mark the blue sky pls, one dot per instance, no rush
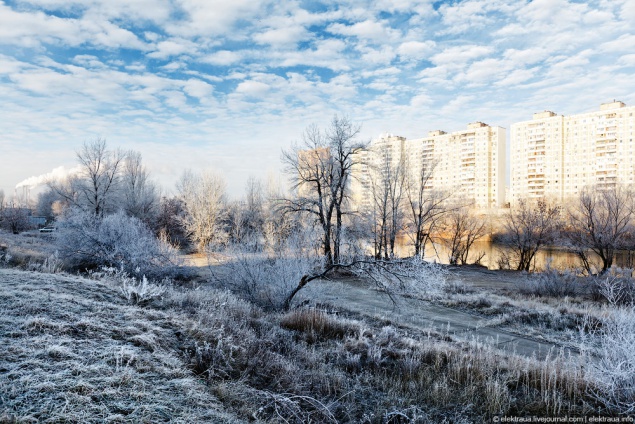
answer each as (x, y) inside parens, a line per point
(226, 85)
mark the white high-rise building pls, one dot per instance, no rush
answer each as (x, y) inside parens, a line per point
(469, 163)
(555, 156)
(536, 157)
(384, 155)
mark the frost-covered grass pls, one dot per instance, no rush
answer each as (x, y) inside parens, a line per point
(73, 350)
(31, 247)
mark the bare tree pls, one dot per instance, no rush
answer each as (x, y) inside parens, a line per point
(14, 216)
(139, 195)
(100, 172)
(204, 202)
(601, 221)
(95, 188)
(169, 223)
(254, 216)
(45, 203)
(277, 227)
(460, 229)
(388, 183)
(529, 227)
(425, 204)
(320, 169)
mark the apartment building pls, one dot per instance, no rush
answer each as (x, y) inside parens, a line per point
(556, 156)
(470, 163)
(536, 157)
(384, 156)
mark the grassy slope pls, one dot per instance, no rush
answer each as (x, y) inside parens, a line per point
(72, 350)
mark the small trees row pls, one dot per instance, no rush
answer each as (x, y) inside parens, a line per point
(598, 222)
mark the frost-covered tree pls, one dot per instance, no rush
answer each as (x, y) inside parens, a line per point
(425, 204)
(140, 196)
(529, 227)
(601, 220)
(205, 206)
(14, 216)
(95, 187)
(169, 221)
(320, 169)
(460, 229)
(388, 186)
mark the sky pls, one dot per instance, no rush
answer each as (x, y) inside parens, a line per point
(226, 85)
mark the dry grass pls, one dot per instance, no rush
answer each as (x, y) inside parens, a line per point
(22, 250)
(330, 369)
(318, 325)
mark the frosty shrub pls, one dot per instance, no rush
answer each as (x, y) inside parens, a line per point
(140, 292)
(614, 371)
(550, 282)
(87, 242)
(413, 276)
(617, 287)
(424, 278)
(266, 278)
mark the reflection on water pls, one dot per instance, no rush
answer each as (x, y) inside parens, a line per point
(492, 253)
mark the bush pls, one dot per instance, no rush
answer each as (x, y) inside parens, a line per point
(412, 277)
(140, 292)
(614, 372)
(88, 242)
(265, 278)
(618, 287)
(551, 282)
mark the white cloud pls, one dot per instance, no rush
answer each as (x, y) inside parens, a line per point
(527, 56)
(517, 77)
(462, 16)
(212, 17)
(366, 30)
(156, 11)
(624, 43)
(627, 60)
(628, 11)
(222, 57)
(146, 74)
(421, 100)
(30, 29)
(282, 36)
(172, 47)
(415, 49)
(327, 53)
(197, 88)
(460, 55)
(252, 88)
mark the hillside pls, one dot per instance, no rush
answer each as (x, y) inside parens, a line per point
(73, 350)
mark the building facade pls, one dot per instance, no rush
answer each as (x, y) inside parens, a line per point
(469, 163)
(555, 157)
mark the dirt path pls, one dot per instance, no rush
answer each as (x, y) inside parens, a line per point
(423, 316)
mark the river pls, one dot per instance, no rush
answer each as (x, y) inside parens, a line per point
(558, 258)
